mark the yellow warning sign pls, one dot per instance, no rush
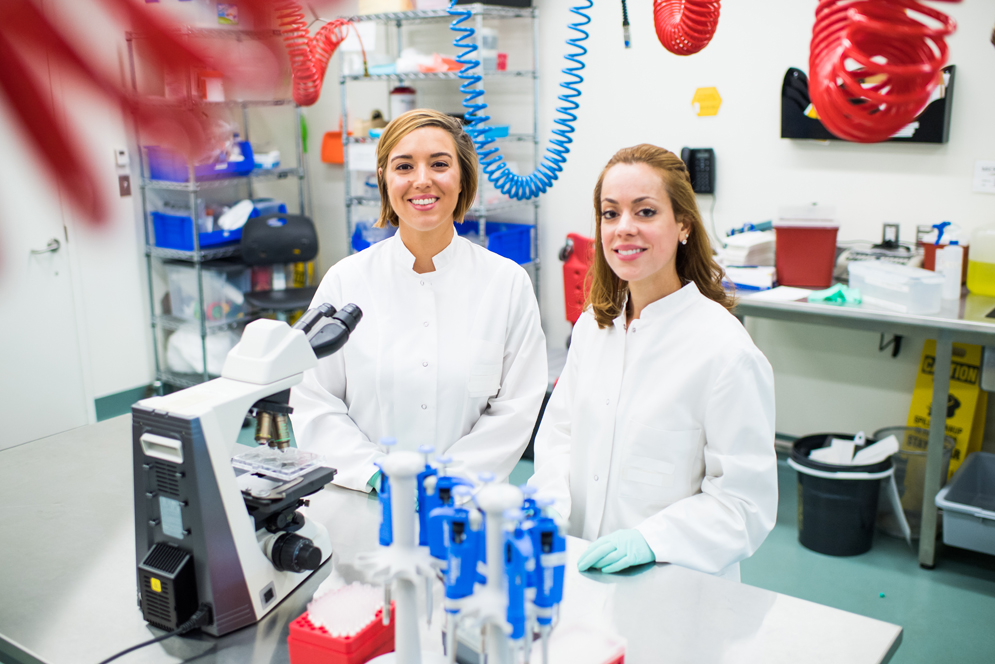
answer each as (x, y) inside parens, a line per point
(706, 101)
(966, 403)
(156, 585)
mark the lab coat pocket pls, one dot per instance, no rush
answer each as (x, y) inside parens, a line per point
(658, 465)
(484, 379)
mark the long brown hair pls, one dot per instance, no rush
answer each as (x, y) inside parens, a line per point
(466, 157)
(694, 259)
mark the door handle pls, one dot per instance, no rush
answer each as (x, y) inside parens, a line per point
(50, 248)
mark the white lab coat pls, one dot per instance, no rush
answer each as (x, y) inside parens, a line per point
(668, 428)
(453, 358)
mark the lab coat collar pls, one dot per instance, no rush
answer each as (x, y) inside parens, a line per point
(441, 260)
(665, 307)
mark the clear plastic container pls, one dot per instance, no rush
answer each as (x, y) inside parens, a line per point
(224, 288)
(981, 261)
(897, 287)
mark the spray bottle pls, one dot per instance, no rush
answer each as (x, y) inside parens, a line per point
(949, 259)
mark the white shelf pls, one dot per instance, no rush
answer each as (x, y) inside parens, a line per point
(226, 251)
(510, 138)
(439, 75)
(259, 175)
(476, 9)
(175, 322)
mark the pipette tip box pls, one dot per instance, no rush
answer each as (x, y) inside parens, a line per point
(310, 644)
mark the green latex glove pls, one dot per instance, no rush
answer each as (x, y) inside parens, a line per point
(615, 552)
(374, 482)
(839, 295)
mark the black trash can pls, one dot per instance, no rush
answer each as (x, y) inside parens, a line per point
(837, 505)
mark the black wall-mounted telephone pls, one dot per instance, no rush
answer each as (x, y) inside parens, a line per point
(701, 167)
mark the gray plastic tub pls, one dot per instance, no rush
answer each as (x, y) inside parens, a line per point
(968, 504)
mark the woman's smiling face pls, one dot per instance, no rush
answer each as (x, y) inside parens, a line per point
(423, 180)
(638, 230)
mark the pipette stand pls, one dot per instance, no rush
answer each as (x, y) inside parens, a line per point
(488, 606)
(403, 564)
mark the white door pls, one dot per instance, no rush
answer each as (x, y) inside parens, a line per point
(41, 377)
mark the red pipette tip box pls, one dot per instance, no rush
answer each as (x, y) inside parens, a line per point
(314, 645)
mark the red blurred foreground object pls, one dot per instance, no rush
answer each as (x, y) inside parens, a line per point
(30, 42)
(874, 63)
(684, 27)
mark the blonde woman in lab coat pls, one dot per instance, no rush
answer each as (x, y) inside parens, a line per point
(658, 442)
(449, 352)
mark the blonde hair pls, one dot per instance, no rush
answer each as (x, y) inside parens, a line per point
(694, 259)
(466, 157)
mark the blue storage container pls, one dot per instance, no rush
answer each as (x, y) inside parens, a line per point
(171, 167)
(174, 231)
(365, 234)
(512, 241)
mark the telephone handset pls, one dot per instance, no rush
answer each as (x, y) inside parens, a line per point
(700, 163)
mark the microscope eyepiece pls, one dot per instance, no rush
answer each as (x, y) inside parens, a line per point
(335, 333)
(349, 315)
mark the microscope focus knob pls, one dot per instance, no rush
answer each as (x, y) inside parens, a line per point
(293, 553)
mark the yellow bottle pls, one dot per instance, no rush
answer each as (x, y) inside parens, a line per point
(981, 261)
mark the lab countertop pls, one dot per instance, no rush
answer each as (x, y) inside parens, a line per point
(67, 580)
(967, 318)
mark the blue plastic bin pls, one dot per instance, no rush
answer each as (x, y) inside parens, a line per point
(366, 235)
(512, 241)
(168, 166)
(176, 231)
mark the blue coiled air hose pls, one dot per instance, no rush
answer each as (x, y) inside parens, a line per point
(521, 187)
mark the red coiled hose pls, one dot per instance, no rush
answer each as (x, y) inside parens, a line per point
(309, 55)
(684, 27)
(873, 66)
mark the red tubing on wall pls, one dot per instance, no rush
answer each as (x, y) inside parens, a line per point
(873, 66)
(309, 55)
(684, 27)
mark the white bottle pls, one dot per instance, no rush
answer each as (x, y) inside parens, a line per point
(949, 263)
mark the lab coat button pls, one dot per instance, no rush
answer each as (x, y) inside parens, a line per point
(595, 478)
(424, 364)
(608, 402)
(424, 406)
(425, 323)
(422, 283)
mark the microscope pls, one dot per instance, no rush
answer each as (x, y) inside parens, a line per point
(204, 535)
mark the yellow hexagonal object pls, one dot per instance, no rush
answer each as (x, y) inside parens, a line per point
(706, 101)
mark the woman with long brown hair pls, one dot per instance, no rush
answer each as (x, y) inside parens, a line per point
(450, 352)
(658, 441)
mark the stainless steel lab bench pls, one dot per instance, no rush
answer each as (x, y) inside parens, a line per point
(964, 321)
(68, 595)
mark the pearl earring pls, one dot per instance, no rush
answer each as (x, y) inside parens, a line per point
(684, 241)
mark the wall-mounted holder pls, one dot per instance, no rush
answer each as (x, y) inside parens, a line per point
(930, 126)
